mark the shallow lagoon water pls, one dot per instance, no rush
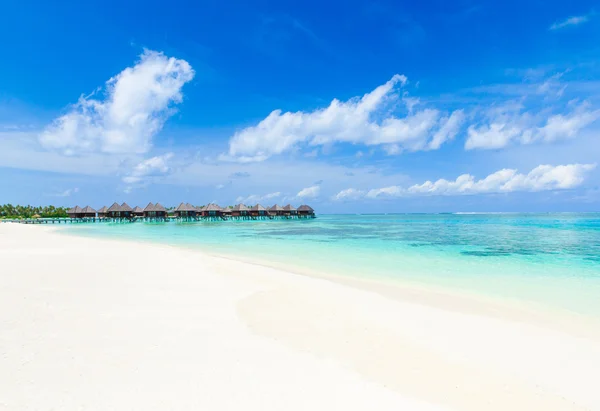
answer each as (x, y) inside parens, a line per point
(548, 259)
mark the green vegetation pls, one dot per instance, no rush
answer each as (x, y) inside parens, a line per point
(9, 211)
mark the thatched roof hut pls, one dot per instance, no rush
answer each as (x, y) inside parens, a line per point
(75, 212)
(150, 211)
(258, 210)
(211, 210)
(159, 211)
(88, 212)
(114, 210)
(305, 210)
(239, 210)
(226, 210)
(276, 210)
(119, 211)
(102, 212)
(289, 210)
(159, 207)
(138, 211)
(185, 210)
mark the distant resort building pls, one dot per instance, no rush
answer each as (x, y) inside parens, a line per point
(276, 210)
(160, 211)
(114, 211)
(102, 212)
(258, 211)
(240, 210)
(211, 210)
(306, 211)
(126, 211)
(155, 211)
(289, 211)
(88, 212)
(74, 212)
(149, 211)
(184, 212)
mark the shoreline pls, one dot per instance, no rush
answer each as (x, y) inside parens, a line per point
(401, 289)
(81, 316)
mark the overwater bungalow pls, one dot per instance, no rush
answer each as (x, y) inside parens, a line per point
(239, 210)
(88, 212)
(185, 210)
(276, 210)
(289, 210)
(258, 211)
(160, 211)
(211, 210)
(102, 212)
(149, 211)
(114, 211)
(306, 211)
(74, 212)
(126, 211)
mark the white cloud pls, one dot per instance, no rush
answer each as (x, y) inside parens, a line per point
(348, 194)
(152, 167)
(309, 192)
(509, 123)
(256, 199)
(138, 102)
(449, 128)
(571, 21)
(541, 178)
(360, 120)
(67, 193)
(391, 191)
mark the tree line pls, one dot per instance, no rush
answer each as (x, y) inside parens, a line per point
(9, 211)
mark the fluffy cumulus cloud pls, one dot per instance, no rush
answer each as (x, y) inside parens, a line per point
(152, 167)
(257, 199)
(136, 104)
(511, 123)
(541, 178)
(309, 192)
(361, 120)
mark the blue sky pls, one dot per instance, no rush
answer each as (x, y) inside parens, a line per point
(353, 106)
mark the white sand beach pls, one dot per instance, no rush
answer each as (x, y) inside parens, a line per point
(91, 324)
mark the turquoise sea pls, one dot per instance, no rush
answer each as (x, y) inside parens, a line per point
(543, 259)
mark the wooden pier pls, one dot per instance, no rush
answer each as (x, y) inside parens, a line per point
(123, 214)
(125, 220)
